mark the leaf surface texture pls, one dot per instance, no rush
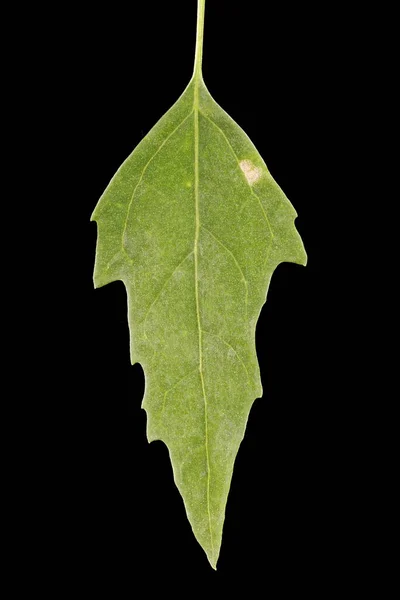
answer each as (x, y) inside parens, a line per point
(194, 225)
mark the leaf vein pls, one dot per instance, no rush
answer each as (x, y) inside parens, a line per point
(174, 386)
(231, 347)
(196, 283)
(164, 285)
(143, 172)
(251, 189)
(244, 280)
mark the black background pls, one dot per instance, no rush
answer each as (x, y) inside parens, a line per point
(293, 519)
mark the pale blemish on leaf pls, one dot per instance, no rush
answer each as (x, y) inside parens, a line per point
(251, 172)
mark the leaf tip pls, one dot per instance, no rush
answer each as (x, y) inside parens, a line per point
(213, 557)
(213, 562)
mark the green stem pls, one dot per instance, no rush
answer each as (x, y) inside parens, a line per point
(199, 39)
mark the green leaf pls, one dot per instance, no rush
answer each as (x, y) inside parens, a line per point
(194, 225)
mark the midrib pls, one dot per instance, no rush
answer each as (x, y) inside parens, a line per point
(196, 285)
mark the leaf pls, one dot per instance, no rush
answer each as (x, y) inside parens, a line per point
(194, 225)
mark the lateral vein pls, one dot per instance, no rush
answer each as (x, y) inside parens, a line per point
(237, 160)
(230, 253)
(218, 337)
(143, 172)
(164, 285)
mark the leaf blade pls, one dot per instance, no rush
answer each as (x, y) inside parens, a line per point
(194, 225)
